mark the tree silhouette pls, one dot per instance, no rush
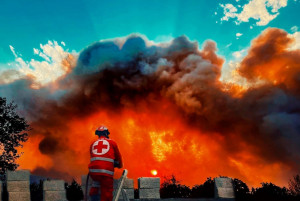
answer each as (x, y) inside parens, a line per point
(205, 190)
(269, 191)
(241, 190)
(74, 191)
(12, 133)
(294, 185)
(36, 191)
(171, 188)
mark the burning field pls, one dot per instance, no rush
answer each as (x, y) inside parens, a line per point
(167, 106)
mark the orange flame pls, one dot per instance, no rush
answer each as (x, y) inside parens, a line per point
(149, 139)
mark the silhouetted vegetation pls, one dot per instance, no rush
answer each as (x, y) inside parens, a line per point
(294, 186)
(4, 192)
(241, 190)
(12, 134)
(36, 191)
(74, 191)
(171, 188)
(205, 190)
(136, 193)
(269, 191)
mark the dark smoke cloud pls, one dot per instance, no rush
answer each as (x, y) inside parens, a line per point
(50, 145)
(114, 75)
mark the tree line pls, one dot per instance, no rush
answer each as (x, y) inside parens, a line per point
(171, 188)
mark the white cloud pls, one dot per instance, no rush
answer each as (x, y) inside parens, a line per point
(230, 72)
(240, 54)
(276, 4)
(229, 45)
(296, 44)
(13, 50)
(238, 34)
(255, 9)
(294, 29)
(237, 54)
(229, 11)
(55, 63)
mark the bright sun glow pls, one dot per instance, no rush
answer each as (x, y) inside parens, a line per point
(154, 172)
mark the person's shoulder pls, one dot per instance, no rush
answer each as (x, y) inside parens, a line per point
(111, 140)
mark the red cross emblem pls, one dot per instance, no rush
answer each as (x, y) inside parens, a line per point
(100, 147)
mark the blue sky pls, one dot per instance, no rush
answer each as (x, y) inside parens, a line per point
(27, 24)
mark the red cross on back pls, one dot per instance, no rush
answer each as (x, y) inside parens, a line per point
(101, 146)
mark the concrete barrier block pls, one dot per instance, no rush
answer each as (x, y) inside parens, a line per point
(224, 193)
(224, 188)
(19, 196)
(128, 183)
(18, 186)
(129, 192)
(223, 182)
(145, 193)
(54, 185)
(149, 182)
(55, 196)
(19, 175)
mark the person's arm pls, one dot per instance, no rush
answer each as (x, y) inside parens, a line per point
(118, 157)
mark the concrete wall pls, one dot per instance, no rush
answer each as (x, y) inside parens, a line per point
(18, 187)
(128, 186)
(224, 188)
(54, 190)
(149, 187)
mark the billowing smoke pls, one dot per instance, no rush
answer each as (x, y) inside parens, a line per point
(168, 110)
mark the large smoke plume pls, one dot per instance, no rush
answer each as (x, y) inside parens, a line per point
(168, 110)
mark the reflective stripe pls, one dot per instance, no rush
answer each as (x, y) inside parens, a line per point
(102, 159)
(101, 171)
